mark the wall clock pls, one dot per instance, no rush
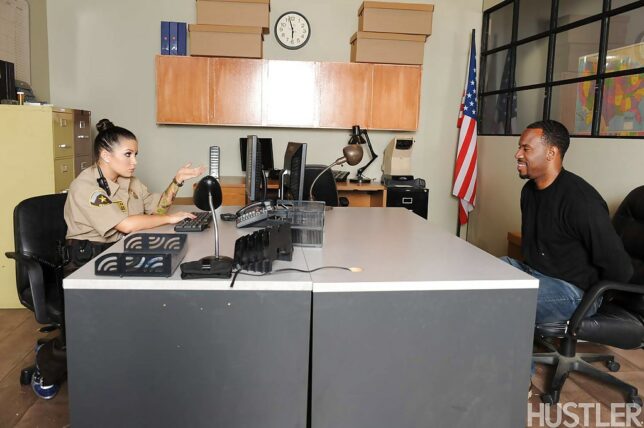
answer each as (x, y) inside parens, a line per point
(292, 30)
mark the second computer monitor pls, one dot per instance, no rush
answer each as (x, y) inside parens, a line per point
(292, 181)
(266, 145)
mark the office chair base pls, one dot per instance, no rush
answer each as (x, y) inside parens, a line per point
(26, 374)
(581, 363)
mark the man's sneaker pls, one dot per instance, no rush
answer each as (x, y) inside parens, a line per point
(46, 392)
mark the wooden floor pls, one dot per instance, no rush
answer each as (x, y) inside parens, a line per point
(19, 407)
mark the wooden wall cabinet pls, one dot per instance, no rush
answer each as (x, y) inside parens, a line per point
(247, 92)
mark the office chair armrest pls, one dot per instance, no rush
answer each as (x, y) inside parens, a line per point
(36, 283)
(591, 295)
(343, 201)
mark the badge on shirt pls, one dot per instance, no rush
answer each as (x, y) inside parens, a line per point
(121, 205)
(99, 199)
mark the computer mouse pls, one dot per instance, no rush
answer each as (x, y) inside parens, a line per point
(228, 216)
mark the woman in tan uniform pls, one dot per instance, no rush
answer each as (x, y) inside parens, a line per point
(106, 201)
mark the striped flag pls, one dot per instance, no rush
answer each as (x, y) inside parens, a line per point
(466, 156)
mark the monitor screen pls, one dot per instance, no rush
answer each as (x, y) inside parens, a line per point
(253, 169)
(293, 172)
(267, 153)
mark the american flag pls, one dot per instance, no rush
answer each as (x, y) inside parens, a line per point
(466, 155)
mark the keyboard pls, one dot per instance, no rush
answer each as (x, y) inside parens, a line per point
(197, 224)
(340, 175)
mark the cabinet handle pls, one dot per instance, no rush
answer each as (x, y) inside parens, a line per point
(407, 201)
(63, 168)
(63, 123)
(63, 146)
(82, 136)
(81, 124)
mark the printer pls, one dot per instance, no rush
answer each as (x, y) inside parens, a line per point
(396, 164)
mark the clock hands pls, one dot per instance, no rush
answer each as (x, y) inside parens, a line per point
(292, 31)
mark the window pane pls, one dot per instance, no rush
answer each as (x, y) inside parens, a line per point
(531, 62)
(497, 67)
(493, 115)
(614, 4)
(529, 109)
(572, 105)
(575, 50)
(574, 10)
(623, 106)
(500, 27)
(626, 41)
(534, 17)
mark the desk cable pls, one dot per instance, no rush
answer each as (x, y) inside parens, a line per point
(239, 271)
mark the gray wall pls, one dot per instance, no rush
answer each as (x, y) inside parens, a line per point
(102, 59)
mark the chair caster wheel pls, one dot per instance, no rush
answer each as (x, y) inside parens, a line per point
(636, 400)
(613, 366)
(550, 398)
(25, 375)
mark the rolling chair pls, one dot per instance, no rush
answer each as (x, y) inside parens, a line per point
(618, 322)
(39, 232)
(325, 188)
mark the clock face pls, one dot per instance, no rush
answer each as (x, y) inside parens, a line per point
(292, 30)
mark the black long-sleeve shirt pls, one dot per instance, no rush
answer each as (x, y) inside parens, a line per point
(567, 233)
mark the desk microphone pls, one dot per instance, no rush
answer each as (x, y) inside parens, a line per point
(352, 155)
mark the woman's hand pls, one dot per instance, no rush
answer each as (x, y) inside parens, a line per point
(175, 218)
(186, 172)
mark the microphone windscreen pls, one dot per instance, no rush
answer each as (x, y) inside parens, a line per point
(207, 188)
(353, 154)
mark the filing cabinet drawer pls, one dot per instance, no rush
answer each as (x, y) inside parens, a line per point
(63, 129)
(82, 135)
(80, 163)
(416, 200)
(63, 173)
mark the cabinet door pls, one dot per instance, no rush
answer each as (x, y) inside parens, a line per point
(236, 91)
(396, 97)
(291, 94)
(345, 94)
(182, 89)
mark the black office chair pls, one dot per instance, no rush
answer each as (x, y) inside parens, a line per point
(325, 188)
(618, 322)
(39, 233)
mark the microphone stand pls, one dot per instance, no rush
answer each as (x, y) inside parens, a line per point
(359, 177)
(217, 264)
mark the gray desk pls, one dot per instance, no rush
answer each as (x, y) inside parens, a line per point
(432, 332)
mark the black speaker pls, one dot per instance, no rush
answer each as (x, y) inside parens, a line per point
(7, 81)
(414, 199)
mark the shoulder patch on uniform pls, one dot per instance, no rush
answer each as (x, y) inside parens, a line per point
(99, 199)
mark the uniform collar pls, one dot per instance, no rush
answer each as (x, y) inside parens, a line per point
(114, 185)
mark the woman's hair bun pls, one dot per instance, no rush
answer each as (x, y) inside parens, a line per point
(103, 125)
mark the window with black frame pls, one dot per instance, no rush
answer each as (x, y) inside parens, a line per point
(580, 62)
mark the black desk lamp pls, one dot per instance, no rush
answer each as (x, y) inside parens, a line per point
(360, 136)
(208, 197)
(352, 154)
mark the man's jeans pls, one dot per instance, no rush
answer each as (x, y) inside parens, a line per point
(556, 299)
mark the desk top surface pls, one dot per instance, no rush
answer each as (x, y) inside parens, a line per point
(396, 250)
(240, 181)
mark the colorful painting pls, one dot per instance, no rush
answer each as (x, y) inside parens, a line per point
(623, 104)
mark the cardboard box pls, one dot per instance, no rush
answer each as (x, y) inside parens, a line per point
(387, 48)
(243, 13)
(403, 18)
(226, 40)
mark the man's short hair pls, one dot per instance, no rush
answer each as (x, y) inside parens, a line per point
(554, 133)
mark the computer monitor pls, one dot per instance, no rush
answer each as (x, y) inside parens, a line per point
(254, 175)
(292, 178)
(266, 145)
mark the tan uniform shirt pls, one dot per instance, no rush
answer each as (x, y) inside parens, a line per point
(91, 214)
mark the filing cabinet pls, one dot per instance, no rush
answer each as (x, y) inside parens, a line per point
(412, 198)
(43, 149)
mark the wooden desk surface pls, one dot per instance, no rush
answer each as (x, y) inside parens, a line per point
(239, 181)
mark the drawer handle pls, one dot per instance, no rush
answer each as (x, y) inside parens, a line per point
(83, 165)
(81, 124)
(63, 146)
(63, 123)
(407, 201)
(83, 136)
(63, 168)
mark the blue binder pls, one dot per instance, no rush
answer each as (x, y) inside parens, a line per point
(173, 38)
(165, 38)
(181, 38)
